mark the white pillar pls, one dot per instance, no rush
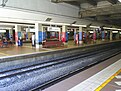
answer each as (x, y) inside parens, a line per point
(11, 34)
(118, 35)
(103, 35)
(38, 35)
(64, 37)
(94, 36)
(111, 35)
(17, 33)
(80, 35)
(75, 31)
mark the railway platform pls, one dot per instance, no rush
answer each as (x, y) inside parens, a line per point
(94, 67)
(28, 49)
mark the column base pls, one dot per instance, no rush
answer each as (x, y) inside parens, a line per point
(65, 44)
(103, 39)
(80, 42)
(38, 46)
(16, 43)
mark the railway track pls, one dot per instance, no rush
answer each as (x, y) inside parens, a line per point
(32, 67)
(39, 76)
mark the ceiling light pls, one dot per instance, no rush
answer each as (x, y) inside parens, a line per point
(119, 0)
(115, 31)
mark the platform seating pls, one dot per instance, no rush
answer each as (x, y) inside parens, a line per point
(52, 44)
(8, 44)
(1, 44)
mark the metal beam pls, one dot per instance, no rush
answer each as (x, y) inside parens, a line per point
(58, 1)
(4, 3)
(113, 1)
(92, 2)
(107, 10)
(109, 17)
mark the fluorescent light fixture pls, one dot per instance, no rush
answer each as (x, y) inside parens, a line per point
(78, 25)
(115, 31)
(119, 0)
(94, 26)
(91, 31)
(111, 28)
(2, 31)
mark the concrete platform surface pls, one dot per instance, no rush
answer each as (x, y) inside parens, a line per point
(27, 48)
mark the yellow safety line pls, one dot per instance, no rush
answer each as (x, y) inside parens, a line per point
(27, 46)
(4, 54)
(107, 81)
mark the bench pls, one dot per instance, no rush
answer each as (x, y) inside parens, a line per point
(5, 44)
(1, 44)
(52, 44)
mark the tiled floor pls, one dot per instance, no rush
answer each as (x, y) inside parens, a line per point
(114, 85)
(27, 48)
(18, 50)
(96, 82)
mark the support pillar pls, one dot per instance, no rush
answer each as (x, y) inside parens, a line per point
(59, 37)
(75, 35)
(64, 34)
(118, 35)
(85, 36)
(11, 34)
(103, 35)
(111, 35)
(26, 34)
(80, 35)
(38, 35)
(44, 34)
(17, 33)
(94, 36)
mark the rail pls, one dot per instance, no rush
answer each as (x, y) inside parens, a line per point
(38, 76)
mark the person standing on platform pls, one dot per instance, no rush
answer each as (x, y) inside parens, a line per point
(33, 40)
(20, 42)
(77, 39)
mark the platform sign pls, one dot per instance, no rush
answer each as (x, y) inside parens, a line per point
(32, 30)
(56, 29)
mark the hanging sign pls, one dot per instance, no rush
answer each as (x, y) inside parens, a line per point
(53, 29)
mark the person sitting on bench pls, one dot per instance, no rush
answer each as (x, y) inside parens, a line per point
(5, 42)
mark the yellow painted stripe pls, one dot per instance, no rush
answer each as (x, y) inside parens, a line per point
(107, 81)
(27, 46)
(4, 54)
